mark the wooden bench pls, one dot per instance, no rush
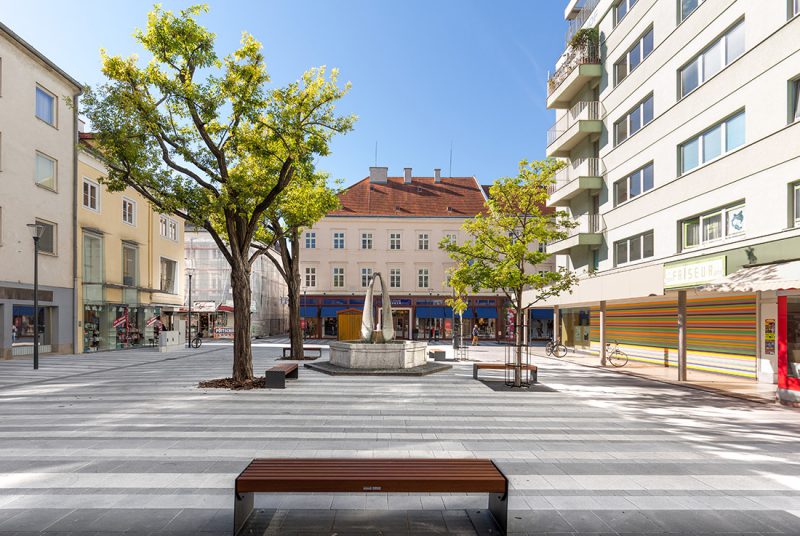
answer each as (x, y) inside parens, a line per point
(275, 377)
(288, 349)
(502, 366)
(371, 475)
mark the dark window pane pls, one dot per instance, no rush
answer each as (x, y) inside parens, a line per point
(636, 181)
(647, 245)
(47, 239)
(797, 97)
(622, 130)
(647, 178)
(634, 56)
(621, 188)
(647, 44)
(636, 120)
(689, 77)
(621, 70)
(621, 10)
(636, 248)
(622, 252)
(687, 6)
(647, 110)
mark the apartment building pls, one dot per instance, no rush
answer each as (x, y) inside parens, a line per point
(38, 135)
(393, 225)
(679, 123)
(130, 263)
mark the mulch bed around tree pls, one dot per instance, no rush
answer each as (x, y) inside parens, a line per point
(228, 383)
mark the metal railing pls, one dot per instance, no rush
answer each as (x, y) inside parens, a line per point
(588, 53)
(584, 110)
(582, 167)
(581, 18)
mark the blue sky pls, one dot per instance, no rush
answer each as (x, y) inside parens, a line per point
(425, 73)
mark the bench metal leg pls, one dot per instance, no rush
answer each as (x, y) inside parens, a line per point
(275, 379)
(498, 506)
(242, 508)
(474, 372)
(534, 376)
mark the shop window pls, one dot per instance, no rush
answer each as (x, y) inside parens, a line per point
(47, 241)
(713, 226)
(712, 59)
(46, 171)
(168, 271)
(91, 195)
(23, 322)
(721, 138)
(634, 248)
(634, 56)
(45, 106)
(633, 121)
(638, 182)
(311, 277)
(311, 240)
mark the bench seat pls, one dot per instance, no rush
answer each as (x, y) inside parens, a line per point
(502, 366)
(288, 350)
(275, 377)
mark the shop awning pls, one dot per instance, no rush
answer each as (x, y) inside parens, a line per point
(225, 308)
(762, 277)
(308, 311)
(486, 312)
(542, 314)
(433, 312)
(331, 310)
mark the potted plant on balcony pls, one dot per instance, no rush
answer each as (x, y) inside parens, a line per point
(585, 38)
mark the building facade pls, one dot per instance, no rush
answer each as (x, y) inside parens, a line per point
(212, 296)
(393, 225)
(680, 127)
(38, 135)
(131, 263)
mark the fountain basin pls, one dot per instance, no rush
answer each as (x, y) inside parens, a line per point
(393, 355)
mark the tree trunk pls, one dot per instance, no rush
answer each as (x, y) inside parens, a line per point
(242, 351)
(518, 329)
(295, 329)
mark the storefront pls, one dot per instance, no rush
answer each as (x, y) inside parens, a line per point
(209, 320)
(575, 327)
(23, 323)
(119, 326)
(540, 324)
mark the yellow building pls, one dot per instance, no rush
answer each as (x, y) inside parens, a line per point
(129, 263)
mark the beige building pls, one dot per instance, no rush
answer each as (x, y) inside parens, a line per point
(131, 263)
(38, 134)
(393, 225)
(681, 133)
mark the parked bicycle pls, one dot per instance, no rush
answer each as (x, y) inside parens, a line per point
(196, 341)
(615, 356)
(555, 348)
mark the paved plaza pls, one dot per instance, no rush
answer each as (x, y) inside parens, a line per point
(125, 442)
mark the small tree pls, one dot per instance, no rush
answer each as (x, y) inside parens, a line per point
(500, 253)
(301, 205)
(202, 137)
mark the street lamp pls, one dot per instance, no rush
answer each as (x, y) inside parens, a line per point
(36, 230)
(190, 273)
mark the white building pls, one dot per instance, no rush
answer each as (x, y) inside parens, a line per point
(393, 225)
(38, 140)
(682, 135)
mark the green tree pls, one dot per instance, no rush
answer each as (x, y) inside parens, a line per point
(307, 199)
(204, 138)
(501, 251)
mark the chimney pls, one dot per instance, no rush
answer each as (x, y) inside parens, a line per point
(437, 175)
(378, 174)
(407, 175)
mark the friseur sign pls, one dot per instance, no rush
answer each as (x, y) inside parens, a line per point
(695, 272)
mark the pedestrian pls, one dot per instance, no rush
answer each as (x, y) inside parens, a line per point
(13, 333)
(474, 335)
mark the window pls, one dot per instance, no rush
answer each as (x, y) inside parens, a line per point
(595, 260)
(794, 99)
(168, 270)
(366, 275)
(634, 120)
(422, 241)
(366, 240)
(687, 7)
(712, 60)
(717, 140)
(394, 240)
(129, 211)
(541, 247)
(311, 240)
(452, 238)
(45, 171)
(338, 240)
(47, 241)
(311, 277)
(168, 228)
(796, 207)
(162, 226)
(713, 226)
(394, 278)
(92, 258)
(634, 184)
(129, 254)
(422, 278)
(90, 195)
(45, 106)
(621, 9)
(634, 56)
(338, 277)
(794, 8)
(634, 248)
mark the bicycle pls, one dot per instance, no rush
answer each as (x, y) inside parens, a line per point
(615, 356)
(196, 342)
(555, 348)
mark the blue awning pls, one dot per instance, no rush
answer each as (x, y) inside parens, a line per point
(308, 311)
(542, 314)
(22, 310)
(331, 310)
(434, 312)
(486, 312)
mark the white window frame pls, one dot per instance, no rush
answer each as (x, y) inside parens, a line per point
(626, 58)
(700, 219)
(794, 99)
(132, 204)
(174, 289)
(395, 241)
(338, 277)
(423, 274)
(366, 275)
(394, 278)
(311, 276)
(339, 236)
(452, 237)
(172, 230)
(423, 239)
(92, 185)
(628, 241)
(53, 105)
(53, 188)
(627, 119)
(628, 5)
(701, 148)
(311, 240)
(700, 58)
(162, 225)
(54, 225)
(627, 180)
(794, 8)
(683, 16)
(366, 240)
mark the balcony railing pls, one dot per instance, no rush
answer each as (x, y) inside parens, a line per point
(581, 18)
(584, 110)
(575, 57)
(582, 167)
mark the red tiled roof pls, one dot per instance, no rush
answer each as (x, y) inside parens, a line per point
(453, 196)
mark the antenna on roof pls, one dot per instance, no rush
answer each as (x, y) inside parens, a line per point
(451, 158)
(376, 153)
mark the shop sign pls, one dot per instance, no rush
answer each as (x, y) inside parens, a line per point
(151, 321)
(204, 307)
(769, 336)
(121, 321)
(695, 272)
(223, 332)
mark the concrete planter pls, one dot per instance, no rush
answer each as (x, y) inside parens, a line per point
(391, 355)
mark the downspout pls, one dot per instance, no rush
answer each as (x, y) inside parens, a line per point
(75, 141)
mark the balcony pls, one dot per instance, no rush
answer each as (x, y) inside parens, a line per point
(577, 124)
(580, 175)
(589, 232)
(580, 18)
(580, 66)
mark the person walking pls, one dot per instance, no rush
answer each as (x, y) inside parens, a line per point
(474, 335)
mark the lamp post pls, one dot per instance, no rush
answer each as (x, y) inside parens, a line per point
(36, 232)
(190, 273)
